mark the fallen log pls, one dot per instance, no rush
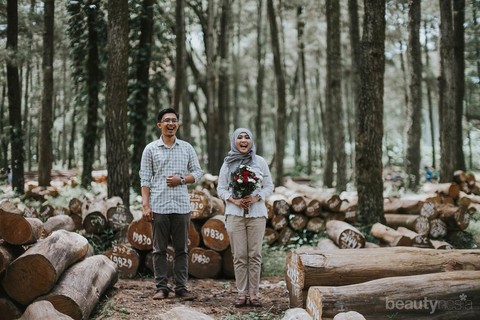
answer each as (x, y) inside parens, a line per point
(8, 253)
(75, 206)
(451, 190)
(285, 236)
(119, 217)
(200, 204)
(345, 235)
(140, 234)
(297, 314)
(43, 310)
(94, 218)
(327, 244)
(395, 220)
(126, 258)
(193, 235)
(402, 205)
(214, 234)
(389, 236)
(35, 272)
(454, 217)
(313, 209)
(228, 269)
(204, 263)
(279, 204)
(298, 221)
(315, 225)
(8, 309)
(16, 229)
(418, 240)
(441, 245)
(61, 222)
(270, 236)
(82, 285)
(306, 268)
(438, 229)
(279, 221)
(449, 295)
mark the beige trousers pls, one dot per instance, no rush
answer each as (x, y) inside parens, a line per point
(246, 238)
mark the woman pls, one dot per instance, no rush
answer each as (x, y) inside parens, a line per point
(245, 215)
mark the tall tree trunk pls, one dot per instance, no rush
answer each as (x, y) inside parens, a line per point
(354, 32)
(334, 105)
(14, 99)
(46, 116)
(117, 106)
(414, 106)
(212, 114)
(139, 109)
(297, 87)
(260, 77)
(224, 81)
(369, 137)
(447, 91)
(428, 85)
(3, 136)
(280, 133)
(93, 78)
(459, 54)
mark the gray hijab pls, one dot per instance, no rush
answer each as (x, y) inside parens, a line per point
(234, 157)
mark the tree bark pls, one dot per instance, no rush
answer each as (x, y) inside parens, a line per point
(36, 271)
(118, 180)
(378, 298)
(368, 154)
(81, 286)
(43, 310)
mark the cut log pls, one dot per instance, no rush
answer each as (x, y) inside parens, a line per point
(218, 206)
(298, 221)
(314, 209)
(389, 236)
(295, 200)
(200, 204)
(270, 236)
(8, 253)
(214, 234)
(193, 235)
(327, 244)
(95, 217)
(126, 258)
(46, 211)
(204, 263)
(450, 295)
(279, 204)
(140, 234)
(402, 205)
(297, 314)
(119, 217)
(75, 206)
(454, 217)
(418, 240)
(15, 229)
(43, 310)
(9, 310)
(228, 269)
(345, 235)
(285, 236)
(395, 220)
(328, 201)
(279, 221)
(315, 225)
(36, 271)
(81, 286)
(422, 226)
(61, 222)
(438, 229)
(306, 268)
(446, 189)
(429, 210)
(441, 245)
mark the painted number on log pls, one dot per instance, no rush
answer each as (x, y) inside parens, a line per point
(313, 309)
(141, 239)
(122, 262)
(121, 250)
(213, 233)
(349, 239)
(200, 258)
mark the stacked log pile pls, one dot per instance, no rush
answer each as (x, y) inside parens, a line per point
(56, 266)
(319, 269)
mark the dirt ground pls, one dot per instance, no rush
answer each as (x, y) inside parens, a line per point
(132, 299)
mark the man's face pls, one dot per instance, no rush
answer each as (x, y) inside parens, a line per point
(168, 125)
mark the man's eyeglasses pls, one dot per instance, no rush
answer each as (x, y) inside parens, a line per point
(169, 120)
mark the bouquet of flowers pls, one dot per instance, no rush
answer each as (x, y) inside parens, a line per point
(244, 181)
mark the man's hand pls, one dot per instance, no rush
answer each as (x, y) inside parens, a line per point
(173, 181)
(147, 213)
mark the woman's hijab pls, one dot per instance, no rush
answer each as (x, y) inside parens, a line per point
(234, 157)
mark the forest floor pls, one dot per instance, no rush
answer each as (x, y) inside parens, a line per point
(132, 299)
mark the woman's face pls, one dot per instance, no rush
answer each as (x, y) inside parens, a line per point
(243, 142)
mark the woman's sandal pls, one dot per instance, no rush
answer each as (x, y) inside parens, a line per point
(255, 302)
(240, 301)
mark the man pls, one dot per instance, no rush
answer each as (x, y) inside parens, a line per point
(168, 165)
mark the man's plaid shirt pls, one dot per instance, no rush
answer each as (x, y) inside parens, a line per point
(159, 162)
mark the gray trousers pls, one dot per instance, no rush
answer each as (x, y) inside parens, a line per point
(174, 226)
(246, 239)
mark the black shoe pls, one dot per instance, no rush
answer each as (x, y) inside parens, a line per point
(160, 295)
(185, 295)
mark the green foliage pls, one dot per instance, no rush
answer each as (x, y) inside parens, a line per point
(102, 242)
(273, 261)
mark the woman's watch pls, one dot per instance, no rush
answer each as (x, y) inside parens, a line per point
(259, 197)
